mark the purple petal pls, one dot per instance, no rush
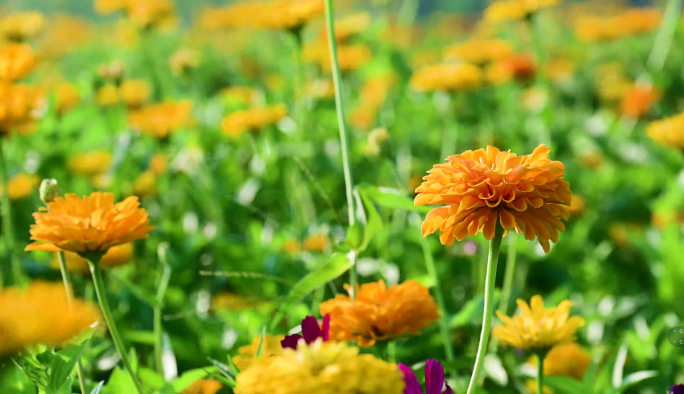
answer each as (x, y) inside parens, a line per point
(412, 385)
(325, 327)
(290, 341)
(434, 377)
(448, 390)
(310, 329)
(677, 389)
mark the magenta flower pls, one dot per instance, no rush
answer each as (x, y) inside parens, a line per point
(434, 379)
(310, 331)
(677, 389)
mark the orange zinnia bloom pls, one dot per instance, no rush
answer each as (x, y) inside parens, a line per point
(160, 120)
(91, 224)
(16, 61)
(379, 313)
(638, 101)
(480, 188)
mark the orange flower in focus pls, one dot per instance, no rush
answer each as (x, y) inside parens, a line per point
(378, 313)
(204, 386)
(255, 119)
(92, 224)
(481, 188)
(461, 76)
(16, 61)
(160, 120)
(638, 101)
(116, 256)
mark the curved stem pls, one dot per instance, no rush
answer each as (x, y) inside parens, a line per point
(509, 273)
(439, 297)
(98, 283)
(66, 278)
(8, 222)
(663, 41)
(540, 373)
(344, 134)
(494, 246)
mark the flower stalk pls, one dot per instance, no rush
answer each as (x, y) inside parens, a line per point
(509, 273)
(98, 282)
(492, 262)
(663, 41)
(8, 224)
(540, 372)
(161, 292)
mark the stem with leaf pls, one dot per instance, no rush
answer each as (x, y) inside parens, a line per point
(492, 262)
(98, 283)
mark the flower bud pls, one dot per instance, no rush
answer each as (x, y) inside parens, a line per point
(49, 190)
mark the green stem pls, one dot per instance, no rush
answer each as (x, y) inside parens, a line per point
(542, 82)
(408, 12)
(391, 351)
(540, 373)
(663, 41)
(439, 297)
(98, 282)
(492, 262)
(509, 273)
(8, 222)
(161, 291)
(344, 134)
(66, 278)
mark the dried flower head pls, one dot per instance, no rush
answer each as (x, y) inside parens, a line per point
(92, 224)
(41, 314)
(379, 313)
(323, 368)
(538, 327)
(484, 187)
(459, 76)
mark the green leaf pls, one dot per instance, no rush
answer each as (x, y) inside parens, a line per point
(332, 269)
(139, 292)
(13, 380)
(373, 220)
(261, 343)
(225, 376)
(390, 198)
(467, 315)
(120, 382)
(565, 384)
(150, 378)
(355, 236)
(635, 378)
(62, 366)
(97, 389)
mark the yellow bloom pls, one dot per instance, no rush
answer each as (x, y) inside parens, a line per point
(20, 106)
(254, 119)
(379, 313)
(91, 224)
(204, 386)
(68, 96)
(247, 354)
(21, 26)
(145, 184)
(183, 61)
(668, 132)
(240, 94)
(479, 51)
(316, 243)
(116, 256)
(538, 327)
(135, 92)
(460, 76)
(159, 164)
(107, 95)
(518, 66)
(592, 28)
(349, 26)
(288, 14)
(321, 88)
(41, 314)
(292, 246)
(508, 10)
(16, 62)
(567, 359)
(612, 82)
(483, 187)
(160, 120)
(21, 186)
(90, 164)
(323, 368)
(351, 57)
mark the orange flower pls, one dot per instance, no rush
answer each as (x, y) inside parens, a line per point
(668, 132)
(67, 97)
(107, 95)
(21, 26)
(135, 92)
(145, 184)
(20, 106)
(158, 163)
(21, 186)
(351, 57)
(483, 187)
(479, 51)
(577, 205)
(460, 76)
(316, 243)
(204, 386)
(160, 120)
(379, 313)
(16, 61)
(92, 163)
(254, 119)
(151, 13)
(247, 354)
(519, 66)
(183, 61)
(592, 28)
(91, 224)
(638, 101)
(116, 256)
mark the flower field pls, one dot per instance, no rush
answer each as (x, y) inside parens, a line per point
(341, 197)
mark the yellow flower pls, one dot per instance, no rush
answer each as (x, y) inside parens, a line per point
(90, 164)
(560, 70)
(254, 119)
(372, 97)
(612, 82)
(145, 184)
(183, 61)
(483, 187)
(107, 95)
(20, 106)
(538, 327)
(379, 313)
(288, 14)
(292, 246)
(350, 57)
(21, 26)
(479, 51)
(91, 224)
(67, 96)
(349, 26)
(151, 13)
(460, 76)
(16, 62)
(106, 7)
(159, 164)
(247, 354)
(135, 92)
(160, 120)
(638, 100)
(204, 386)
(668, 132)
(240, 94)
(316, 243)
(116, 256)
(577, 205)
(321, 88)
(508, 10)
(41, 314)
(66, 34)
(567, 359)
(592, 28)
(21, 186)
(322, 368)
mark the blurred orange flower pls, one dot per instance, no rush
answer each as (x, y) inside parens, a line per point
(183, 61)
(460, 76)
(160, 120)
(668, 132)
(135, 92)
(16, 61)
(91, 163)
(351, 57)
(67, 96)
(483, 187)
(316, 243)
(479, 51)
(254, 119)
(378, 313)
(21, 186)
(20, 107)
(638, 100)
(204, 386)
(21, 26)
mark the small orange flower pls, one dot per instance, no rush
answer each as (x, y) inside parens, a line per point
(145, 184)
(292, 246)
(638, 101)
(480, 188)
(378, 313)
(577, 205)
(135, 92)
(16, 61)
(107, 95)
(158, 163)
(255, 119)
(316, 243)
(350, 57)
(204, 386)
(160, 120)
(460, 76)
(20, 107)
(92, 224)
(21, 186)
(518, 66)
